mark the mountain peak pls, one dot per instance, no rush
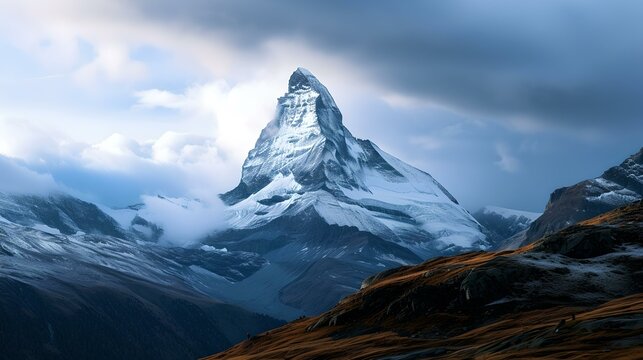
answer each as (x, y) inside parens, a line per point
(304, 85)
(303, 137)
(300, 80)
(306, 161)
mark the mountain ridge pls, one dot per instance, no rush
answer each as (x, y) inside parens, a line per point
(574, 293)
(505, 225)
(77, 285)
(617, 186)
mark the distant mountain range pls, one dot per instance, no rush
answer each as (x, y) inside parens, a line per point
(504, 225)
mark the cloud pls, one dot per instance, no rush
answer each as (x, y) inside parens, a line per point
(507, 162)
(23, 139)
(237, 112)
(154, 98)
(177, 164)
(531, 65)
(439, 138)
(18, 179)
(184, 222)
(112, 62)
(174, 163)
(184, 149)
(559, 64)
(118, 169)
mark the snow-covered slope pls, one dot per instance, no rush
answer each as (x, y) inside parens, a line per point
(39, 228)
(305, 159)
(57, 213)
(510, 213)
(506, 227)
(73, 281)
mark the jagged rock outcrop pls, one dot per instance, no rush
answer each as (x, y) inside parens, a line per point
(616, 187)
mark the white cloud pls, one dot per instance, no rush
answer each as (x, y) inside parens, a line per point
(26, 140)
(106, 45)
(120, 153)
(177, 164)
(507, 162)
(184, 222)
(160, 98)
(182, 148)
(237, 113)
(112, 62)
(16, 178)
(118, 144)
(189, 164)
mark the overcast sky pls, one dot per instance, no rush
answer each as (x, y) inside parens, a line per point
(501, 101)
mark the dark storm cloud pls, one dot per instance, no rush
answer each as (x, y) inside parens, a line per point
(572, 63)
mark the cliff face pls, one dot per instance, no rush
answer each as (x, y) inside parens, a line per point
(574, 292)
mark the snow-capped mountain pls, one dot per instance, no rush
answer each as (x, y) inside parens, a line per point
(74, 282)
(506, 213)
(327, 210)
(57, 213)
(504, 225)
(305, 160)
(619, 185)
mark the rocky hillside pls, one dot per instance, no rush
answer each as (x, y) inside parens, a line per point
(576, 292)
(616, 187)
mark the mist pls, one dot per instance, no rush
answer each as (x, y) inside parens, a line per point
(184, 222)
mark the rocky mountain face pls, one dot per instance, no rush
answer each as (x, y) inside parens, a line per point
(327, 209)
(57, 213)
(305, 160)
(575, 293)
(504, 225)
(75, 284)
(617, 186)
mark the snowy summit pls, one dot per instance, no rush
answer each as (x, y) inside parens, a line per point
(305, 161)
